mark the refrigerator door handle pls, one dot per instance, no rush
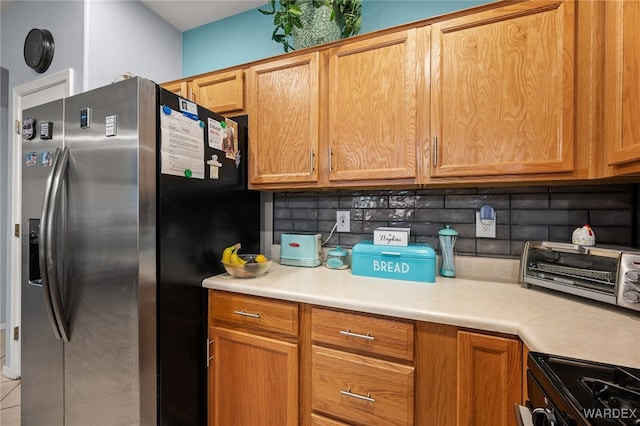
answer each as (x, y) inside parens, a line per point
(51, 243)
(42, 249)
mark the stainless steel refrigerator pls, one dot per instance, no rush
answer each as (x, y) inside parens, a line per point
(129, 195)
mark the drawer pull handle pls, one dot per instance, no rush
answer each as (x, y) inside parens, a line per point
(361, 336)
(247, 314)
(355, 395)
(209, 356)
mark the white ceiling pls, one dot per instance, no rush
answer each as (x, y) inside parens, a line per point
(188, 14)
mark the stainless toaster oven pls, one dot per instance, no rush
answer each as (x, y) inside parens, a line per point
(603, 273)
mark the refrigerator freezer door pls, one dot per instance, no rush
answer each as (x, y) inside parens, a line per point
(42, 354)
(110, 362)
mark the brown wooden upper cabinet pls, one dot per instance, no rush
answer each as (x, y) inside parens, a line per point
(339, 117)
(502, 92)
(511, 92)
(284, 121)
(180, 88)
(622, 87)
(221, 92)
(372, 109)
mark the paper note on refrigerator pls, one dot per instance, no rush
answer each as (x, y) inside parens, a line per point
(216, 133)
(181, 145)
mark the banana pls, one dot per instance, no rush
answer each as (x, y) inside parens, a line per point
(235, 259)
(226, 254)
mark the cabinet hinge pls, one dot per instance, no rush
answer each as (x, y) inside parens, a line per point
(16, 333)
(18, 127)
(16, 230)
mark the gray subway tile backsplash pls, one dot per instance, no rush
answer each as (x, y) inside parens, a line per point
(530, 201)
(549, 217)
(522, 214)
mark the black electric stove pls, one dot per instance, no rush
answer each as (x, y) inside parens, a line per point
(572, 392)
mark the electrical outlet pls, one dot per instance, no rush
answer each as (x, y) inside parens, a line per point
(485, 230)
(344, 221)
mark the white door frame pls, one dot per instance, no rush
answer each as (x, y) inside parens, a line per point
(48, 87)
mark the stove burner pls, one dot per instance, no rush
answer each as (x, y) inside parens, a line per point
(621, 401)
(585, 393)
(627, 379)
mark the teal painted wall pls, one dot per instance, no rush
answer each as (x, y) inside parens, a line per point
(246, 37)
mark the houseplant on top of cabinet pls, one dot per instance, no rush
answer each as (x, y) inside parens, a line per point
(305, 23)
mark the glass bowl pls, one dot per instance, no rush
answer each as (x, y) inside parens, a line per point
(251, 269)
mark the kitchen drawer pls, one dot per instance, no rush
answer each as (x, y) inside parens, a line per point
(318, 420)
(360, 389)
(253, 312)
(360, 332)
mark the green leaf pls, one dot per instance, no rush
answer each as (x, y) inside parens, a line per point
(295, 10)
(288, 15)
(272, 3)
(297, 22)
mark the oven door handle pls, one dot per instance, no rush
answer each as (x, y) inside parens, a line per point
(566, 247)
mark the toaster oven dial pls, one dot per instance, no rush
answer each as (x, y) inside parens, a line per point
(633, 276)
(631, 295)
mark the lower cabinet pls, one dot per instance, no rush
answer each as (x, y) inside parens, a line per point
(360, 389)
(362, 369)
(253, 361)
(466, 377)
(273, 362)
(489, 379)
(318, 420)
(253, 380)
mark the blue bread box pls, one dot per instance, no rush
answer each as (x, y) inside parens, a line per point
(415, 262)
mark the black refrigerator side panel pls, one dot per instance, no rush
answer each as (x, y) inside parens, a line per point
(197, 219)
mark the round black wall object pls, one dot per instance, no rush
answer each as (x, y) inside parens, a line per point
(38, 49)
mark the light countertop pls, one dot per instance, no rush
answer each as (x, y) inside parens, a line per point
(546, 321)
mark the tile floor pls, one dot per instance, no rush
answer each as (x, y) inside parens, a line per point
(9, 392)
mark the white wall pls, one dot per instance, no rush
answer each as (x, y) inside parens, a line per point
(65, 21)
(126, 36)
(99, 40)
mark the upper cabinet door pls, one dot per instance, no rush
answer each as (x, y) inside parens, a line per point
(372, 109)
(283, 120)
(502, 86)
(177, 87)
(220, 92)
(622, 86)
